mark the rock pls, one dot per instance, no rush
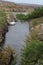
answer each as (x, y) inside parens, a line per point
(3, 32)
(37, 31)
(1, 36)
(40, 37)
(40, 33)
(5, 57)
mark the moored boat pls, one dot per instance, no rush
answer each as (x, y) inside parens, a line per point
(11, 23)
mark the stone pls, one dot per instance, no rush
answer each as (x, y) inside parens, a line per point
(5, 57)
(37, 31)
(40, 34)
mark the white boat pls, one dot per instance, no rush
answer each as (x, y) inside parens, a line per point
(12, 23)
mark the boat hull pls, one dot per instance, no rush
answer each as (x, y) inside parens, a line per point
(11, 23)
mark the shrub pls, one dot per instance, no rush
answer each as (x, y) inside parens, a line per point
(32, 53)
(21, 16)
(2, 19)
(38, 12)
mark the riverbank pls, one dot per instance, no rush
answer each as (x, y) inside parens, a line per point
(36, 28)
(6, 55)
(3, 26)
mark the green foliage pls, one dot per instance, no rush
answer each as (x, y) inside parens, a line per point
(2, 19)
(38, 12)
(21, 16)
(32, 53)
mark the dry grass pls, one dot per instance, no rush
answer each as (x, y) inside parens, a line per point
(36, 21)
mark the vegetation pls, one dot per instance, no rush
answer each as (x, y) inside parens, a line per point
(32, 53)
(38, 12)
(36, 27)
(13, 58)
(21, 17)
(7, 56)
(2, 19)
(37, 21)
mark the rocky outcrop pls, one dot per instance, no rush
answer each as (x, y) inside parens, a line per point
(5, 57)
(2, 33)
(40, 32)
(36, 31)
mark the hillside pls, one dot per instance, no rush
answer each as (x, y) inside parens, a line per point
(10, 6)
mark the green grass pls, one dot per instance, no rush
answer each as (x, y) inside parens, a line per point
(32, 53)
(3, 19)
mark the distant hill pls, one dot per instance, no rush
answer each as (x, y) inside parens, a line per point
(6, 5)
(30, 5)
(22, 4)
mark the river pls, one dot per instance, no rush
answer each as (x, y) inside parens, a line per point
(15, 37)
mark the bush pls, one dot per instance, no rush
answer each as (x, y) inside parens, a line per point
(38, 12)
(21, 16)
(2, 19)
(32, 53)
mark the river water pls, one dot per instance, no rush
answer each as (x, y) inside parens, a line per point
(16, 37)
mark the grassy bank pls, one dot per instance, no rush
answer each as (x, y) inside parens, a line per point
(32, 53)
(7, 55)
